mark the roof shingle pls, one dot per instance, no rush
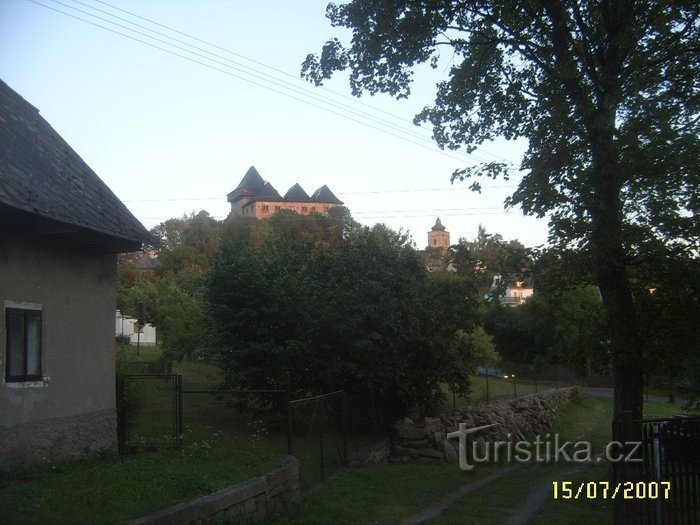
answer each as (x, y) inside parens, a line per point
(42, 175)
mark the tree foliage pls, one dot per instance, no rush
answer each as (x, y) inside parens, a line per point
(491, 260)
(607, 95)
(172, 290)
(337, 306)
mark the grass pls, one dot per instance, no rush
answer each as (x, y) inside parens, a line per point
(498, 388)
(241, 428)
(220, 451)
(388, 494)
(383, 494)
(114, 489)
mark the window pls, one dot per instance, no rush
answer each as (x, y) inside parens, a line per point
(265, 208)
(23, 348)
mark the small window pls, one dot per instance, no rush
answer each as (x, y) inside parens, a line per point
(265, 208)
(23, 328)
(278, 208)
(304, 209)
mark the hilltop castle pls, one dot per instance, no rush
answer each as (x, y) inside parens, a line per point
(253, 197)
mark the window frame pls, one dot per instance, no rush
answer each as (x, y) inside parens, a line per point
(26, 313)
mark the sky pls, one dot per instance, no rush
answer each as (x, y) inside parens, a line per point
(172, 129)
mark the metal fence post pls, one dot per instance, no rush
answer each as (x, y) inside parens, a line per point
(180, 424)
(373, 408)
(320, 435)
(345, 429)
(290, 449)
(487, 386)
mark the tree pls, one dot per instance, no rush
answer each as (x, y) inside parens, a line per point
(607, 95)
(567, 327)
(173, 290)
(337, 306)
(186, 246)
(490, 260)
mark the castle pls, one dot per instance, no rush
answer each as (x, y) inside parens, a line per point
(253, 197)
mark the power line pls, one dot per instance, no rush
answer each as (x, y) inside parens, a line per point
(324, 100)
(341, 193)
(365, 217)
(430, 148)
(285, 73)
(265, 77)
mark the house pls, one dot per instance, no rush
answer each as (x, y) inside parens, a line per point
(514, 293)
(60, 231)
(253, 197)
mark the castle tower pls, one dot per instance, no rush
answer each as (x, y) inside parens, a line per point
(438, 237)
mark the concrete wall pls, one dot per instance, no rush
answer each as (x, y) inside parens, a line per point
(72, 409)
(250, 501)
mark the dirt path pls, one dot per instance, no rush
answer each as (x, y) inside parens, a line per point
(541, 493)
(450, 499)
(520, 515)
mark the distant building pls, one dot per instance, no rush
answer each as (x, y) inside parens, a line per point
(126, 326)
(515, 294)
(439, 237)
(253, 197)
(435, 254)
(146, 260)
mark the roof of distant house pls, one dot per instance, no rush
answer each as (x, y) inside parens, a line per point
(42, 179)
(256, 189)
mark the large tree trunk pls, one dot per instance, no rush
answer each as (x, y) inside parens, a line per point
(613, 283)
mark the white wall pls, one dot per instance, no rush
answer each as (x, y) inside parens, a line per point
(127, 326)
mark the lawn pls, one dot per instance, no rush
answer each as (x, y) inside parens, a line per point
(498, 388)
(220, 450)
(261, 428)
(389, 494)
(114, 489)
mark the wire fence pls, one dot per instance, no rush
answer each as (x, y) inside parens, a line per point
(509, 380)
(158, 411)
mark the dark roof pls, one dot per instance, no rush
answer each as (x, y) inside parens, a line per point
(45, 180)
(324, 194)
(250, 184)
(297, 194)
(438, 226)
(267, 193)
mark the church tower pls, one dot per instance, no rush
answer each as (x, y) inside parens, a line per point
(438, 237)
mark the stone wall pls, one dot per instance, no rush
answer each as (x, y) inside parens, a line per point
(57, 439)
(250, 501)
(515, 419)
